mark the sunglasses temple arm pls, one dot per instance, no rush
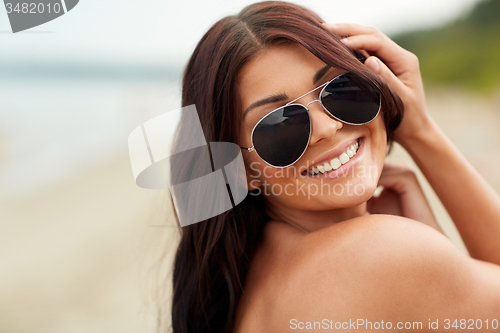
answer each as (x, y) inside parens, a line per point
(321, 86)
(251, 149)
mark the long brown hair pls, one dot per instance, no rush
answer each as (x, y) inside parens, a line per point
(214, 255)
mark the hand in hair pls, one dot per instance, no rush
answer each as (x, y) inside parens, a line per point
(399, 68)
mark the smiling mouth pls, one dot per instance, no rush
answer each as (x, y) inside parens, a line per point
(335, 163)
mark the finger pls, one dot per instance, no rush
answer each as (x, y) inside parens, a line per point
(389, 77)
(398, 168)
(397, 180)
(387, 203)
(349, 29)
(364, 53)
(392, 182)
(391, 53)
(375, 42)
(400, 181)
(377, 191)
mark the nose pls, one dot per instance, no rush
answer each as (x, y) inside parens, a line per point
(323, 125)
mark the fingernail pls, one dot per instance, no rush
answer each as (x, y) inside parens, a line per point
(376, 65)
(344, 40)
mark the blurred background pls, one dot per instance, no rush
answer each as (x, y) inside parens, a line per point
(82, 248)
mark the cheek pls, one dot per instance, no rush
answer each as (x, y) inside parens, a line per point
(377, 149)
(378, 136)
(274, 175)
(259, 174)
(245, 139)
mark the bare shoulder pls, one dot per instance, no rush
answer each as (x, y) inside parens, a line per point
(384, 267)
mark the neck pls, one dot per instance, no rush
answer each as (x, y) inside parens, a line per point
(312, 220)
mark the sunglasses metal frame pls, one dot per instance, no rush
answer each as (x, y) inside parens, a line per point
(306, 107)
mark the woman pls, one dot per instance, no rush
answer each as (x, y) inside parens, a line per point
(282, 259)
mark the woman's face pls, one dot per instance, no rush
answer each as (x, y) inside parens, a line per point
(289, 71)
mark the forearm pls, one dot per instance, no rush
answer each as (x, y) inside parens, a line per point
(470, 201)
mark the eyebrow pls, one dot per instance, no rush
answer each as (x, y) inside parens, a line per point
(283, 97)
(319, 74)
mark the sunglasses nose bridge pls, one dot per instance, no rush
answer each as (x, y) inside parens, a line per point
(315, 100)
(321, 105)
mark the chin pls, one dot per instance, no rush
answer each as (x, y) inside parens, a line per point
(356, 194)
(350, 193)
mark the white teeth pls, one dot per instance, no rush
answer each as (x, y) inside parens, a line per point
(343, 158)
(313, 171)
(336, 162)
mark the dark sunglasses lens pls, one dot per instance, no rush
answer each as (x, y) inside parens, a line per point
(351, 99)
(282, 136)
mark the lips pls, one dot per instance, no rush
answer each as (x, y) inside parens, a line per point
(334, 159)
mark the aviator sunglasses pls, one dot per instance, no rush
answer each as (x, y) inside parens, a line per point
(281, 137)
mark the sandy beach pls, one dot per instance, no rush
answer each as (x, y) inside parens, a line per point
(79, 256)
(87, 254)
